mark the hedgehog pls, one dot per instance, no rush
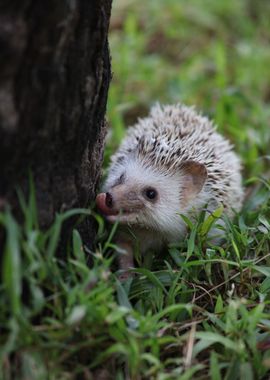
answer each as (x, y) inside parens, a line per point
(171, 163)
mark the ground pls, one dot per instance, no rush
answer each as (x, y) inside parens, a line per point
(197, 311)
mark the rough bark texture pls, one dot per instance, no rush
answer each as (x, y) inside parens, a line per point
(54, 78)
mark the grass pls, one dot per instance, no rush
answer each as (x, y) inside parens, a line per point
(197, 311)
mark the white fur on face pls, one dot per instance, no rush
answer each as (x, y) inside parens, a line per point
(161, 215)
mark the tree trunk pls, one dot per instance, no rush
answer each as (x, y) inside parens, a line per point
(54, 78)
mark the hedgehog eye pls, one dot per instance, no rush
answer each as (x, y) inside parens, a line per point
(150, 193)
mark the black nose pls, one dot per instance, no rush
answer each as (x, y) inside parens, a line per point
(109, 200)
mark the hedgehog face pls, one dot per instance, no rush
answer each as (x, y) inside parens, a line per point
(139, 195)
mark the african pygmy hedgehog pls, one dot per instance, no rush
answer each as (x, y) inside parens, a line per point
(171, 162)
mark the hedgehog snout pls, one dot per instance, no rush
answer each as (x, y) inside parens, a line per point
(104, 202)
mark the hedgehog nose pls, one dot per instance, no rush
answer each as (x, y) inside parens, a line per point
(109, 200)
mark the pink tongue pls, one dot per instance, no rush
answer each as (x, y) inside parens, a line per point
(101, 204)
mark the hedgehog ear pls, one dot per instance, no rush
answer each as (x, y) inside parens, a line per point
(194, 177)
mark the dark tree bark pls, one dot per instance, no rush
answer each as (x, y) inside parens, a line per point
(54, 78)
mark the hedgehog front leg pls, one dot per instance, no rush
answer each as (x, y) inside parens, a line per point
(125, 258)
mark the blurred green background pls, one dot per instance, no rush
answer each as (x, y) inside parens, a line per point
(209, 53)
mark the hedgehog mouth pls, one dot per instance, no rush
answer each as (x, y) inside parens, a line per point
(117, 213)
(123, 216)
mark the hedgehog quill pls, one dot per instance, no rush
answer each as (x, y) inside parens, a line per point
(170, 163)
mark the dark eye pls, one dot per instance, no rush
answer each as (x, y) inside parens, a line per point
(150, 193)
